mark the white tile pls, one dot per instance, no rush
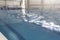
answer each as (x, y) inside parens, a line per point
(2, 37)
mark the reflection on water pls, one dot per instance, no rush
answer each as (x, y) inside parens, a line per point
(10, 15)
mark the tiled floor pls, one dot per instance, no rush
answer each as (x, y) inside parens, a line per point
(2, 37)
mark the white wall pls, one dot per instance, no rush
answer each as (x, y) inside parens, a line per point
(31, 4)
(10, 3)
(2, 3)
(52, 1)
(47, 3)
(13, 3)
(34, 3)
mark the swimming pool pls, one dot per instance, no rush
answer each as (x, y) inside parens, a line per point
(14, 28)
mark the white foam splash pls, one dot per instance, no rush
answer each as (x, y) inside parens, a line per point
(48, 25)
(51, 26)
(33, 18)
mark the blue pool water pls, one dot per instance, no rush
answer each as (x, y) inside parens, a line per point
(16, 29)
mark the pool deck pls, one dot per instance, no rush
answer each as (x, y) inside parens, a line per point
(2, 37)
